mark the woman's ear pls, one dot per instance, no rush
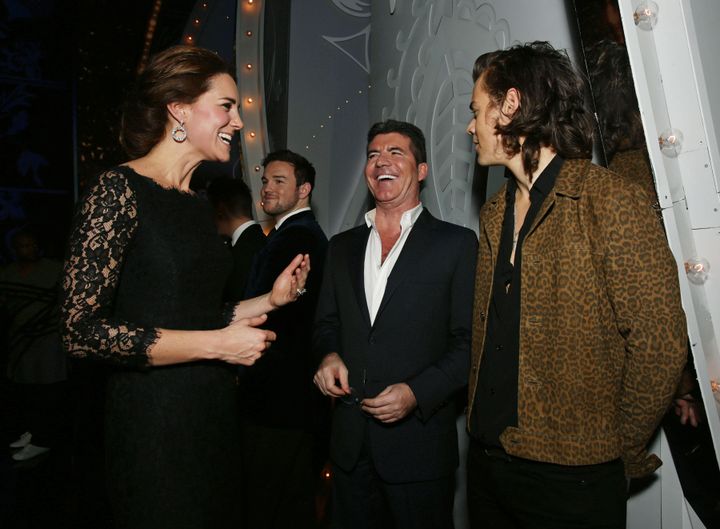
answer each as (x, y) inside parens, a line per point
(177, 111)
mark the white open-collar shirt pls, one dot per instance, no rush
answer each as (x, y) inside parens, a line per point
(377, 272)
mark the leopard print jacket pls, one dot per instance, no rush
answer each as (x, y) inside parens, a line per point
(602, 334)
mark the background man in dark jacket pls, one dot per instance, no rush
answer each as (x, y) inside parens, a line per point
(232, 202)
(285, 418)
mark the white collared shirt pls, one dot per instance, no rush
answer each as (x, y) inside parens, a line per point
(239, 231)
(376, 271)
(294, 212)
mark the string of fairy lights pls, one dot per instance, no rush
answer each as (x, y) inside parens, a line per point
(321, 126)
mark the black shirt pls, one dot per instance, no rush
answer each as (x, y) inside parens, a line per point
(496, 398)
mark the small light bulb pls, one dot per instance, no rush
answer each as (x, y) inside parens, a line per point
(671, 142)
(196, 21)
(697, 270)
(646, 14)
(257, 168)
(252, 134)
(248, 66)
(248, 33)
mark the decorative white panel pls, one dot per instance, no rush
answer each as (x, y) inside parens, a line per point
(421, 71)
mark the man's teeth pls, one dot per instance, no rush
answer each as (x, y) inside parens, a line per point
(225, 138)
(387, 177)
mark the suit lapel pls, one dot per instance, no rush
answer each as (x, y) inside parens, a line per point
(356, 263)
(415, 247)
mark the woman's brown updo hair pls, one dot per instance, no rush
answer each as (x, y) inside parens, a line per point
(178, 74)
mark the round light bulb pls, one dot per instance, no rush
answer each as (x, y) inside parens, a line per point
(697, 270)
(671, 142)
(646, 14)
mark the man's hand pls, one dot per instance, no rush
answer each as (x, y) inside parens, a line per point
(331, 377)
(392, 404)
(686, 407)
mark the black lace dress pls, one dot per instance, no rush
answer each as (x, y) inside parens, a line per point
(141, 258)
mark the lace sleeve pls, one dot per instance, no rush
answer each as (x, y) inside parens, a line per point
(103, 228)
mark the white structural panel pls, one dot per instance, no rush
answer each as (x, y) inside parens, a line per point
(249, 68)
(672, 94)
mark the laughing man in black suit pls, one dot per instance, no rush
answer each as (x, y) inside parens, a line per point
(393, 328)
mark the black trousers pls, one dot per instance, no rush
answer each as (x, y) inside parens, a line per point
(506, 492)
(362, 500)
(280, 480)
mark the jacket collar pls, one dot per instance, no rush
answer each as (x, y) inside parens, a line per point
(568, 183)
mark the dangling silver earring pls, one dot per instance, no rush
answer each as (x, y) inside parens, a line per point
(179, 134)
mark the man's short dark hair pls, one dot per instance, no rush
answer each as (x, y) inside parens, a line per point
(304, 170)
(233, 194)
(553, 111)
(410, 131)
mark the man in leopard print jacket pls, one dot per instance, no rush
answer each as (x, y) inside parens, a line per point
(579, 337)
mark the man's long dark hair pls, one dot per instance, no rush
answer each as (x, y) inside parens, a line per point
(552, 112)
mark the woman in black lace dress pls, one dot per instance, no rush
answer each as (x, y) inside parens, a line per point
(142, 290)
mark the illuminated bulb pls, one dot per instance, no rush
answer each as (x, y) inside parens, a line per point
(248, 33)
(307, 147)
(204, 5)
(252, 134)
(249, 100)
(329, 116)
(257, 168)
(189, 39)
(322, 126)
(697, 270)
(359, 91)
(196, 21)
(347, 100)
(645, 15)
(248, 66)
(671, 142)
(250, 2)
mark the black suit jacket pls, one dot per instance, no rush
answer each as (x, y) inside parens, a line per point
(278, 390)
(250, 242)
(421, 336)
